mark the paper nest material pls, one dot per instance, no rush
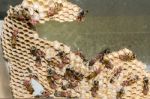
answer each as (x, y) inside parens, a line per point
(59, 71)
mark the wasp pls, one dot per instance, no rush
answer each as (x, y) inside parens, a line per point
(120, 93)
(58, 6)
(73, 75)
(130, 81)
(108, 64)
(54, 10)
(29, 70)
(61, 54)
(32, 22)
(64, 58)
(56, 63)
(53, 62)
(73, 84)
(95, 88)
(31, 75)
(62, 93)
(99, 57)
(78, 76)
(33, 50)
(51, 82)
(52, 77)
(79, 53)
(51, 12)
(38, 54)
(14, 37)
(46, 94)
(70, 85)
(116, 73)
(81, 15)
(92, 61)
(145, 85)
(93, 74)
(69, 74)
(38, 61)
(53, 74)
(28, 86)
(127, 57)
(21, 15)
(27, 83)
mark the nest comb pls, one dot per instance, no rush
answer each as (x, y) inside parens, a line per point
(61, 72)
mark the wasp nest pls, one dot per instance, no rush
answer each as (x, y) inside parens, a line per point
(40, 68)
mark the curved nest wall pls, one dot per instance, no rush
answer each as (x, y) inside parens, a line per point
(41, 68)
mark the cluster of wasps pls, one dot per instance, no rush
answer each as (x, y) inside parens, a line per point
(22, 14)
(131, 81)
(52, 78)
(116, 73)
(108, 65)
(60, 64)
(38, 54)
(72, 77)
